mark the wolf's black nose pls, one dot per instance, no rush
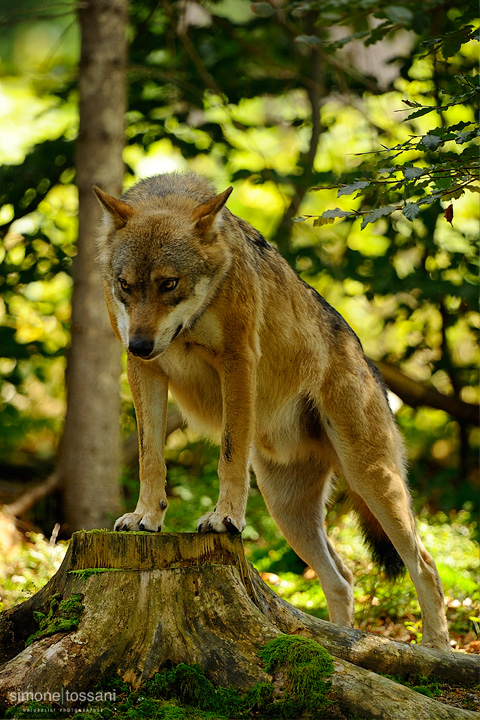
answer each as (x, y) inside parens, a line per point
(140, 346)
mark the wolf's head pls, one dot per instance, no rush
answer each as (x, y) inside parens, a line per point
(163, 256)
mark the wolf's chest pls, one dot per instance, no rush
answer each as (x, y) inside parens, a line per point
(195, 385)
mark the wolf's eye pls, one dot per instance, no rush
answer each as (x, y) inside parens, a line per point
(124, 285)
(168, 285)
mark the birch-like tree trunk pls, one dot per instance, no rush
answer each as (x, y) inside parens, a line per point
(89, 457)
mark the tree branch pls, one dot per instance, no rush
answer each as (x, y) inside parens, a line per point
(34, 494)
(414, 394)
(314, 91)
(30, 497)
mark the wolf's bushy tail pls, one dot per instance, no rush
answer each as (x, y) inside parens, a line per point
(379, 544)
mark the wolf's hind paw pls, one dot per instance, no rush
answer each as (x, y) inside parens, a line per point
(138, 521)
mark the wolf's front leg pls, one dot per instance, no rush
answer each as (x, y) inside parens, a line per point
(149, 388)
(238, 391)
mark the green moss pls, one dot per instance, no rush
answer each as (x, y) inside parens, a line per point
(105, 531)
(32, 710)
(304, 665)
(62, 616)
(88, 572)
(190, 687)
(98, 531)
(420, 683)
(299, 667)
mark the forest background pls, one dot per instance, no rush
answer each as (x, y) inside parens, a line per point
(349, 132)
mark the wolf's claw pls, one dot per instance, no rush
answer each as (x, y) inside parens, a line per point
(150, 522)
(231, 528)
(142, 527)
(217, 522)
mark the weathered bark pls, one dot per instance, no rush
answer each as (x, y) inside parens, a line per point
(89, 457)
(366, 694)
(158, 600)
(367, 650)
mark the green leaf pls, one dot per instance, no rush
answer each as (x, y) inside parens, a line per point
(443, 183)
(410, 173)
(336, 213)
(419, 113)
(350, 189)
(399, 14)
(411, 211)
(454, 193)
(431, 141)
(461, 125)
(429, 199)
(464, 137)
(377, 214)
(308, 40)
(452, 43)
(378, 33)
(323, 221)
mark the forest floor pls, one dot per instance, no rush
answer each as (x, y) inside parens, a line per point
(29, 559)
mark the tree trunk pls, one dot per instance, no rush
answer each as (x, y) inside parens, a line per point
(89, 457)
(151, 601)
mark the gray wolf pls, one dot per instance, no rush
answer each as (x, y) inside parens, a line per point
(256, 358)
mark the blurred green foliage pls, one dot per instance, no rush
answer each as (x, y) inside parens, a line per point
(275, 101)
(26, 566)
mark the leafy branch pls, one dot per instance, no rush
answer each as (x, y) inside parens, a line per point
(437, 173)
(441, 164)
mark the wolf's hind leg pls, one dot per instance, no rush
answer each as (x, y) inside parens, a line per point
(294, 495)
(376, 475)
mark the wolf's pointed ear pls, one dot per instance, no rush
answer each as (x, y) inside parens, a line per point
(206, 214)
(119, 211)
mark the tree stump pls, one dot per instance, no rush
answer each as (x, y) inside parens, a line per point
(152, 601)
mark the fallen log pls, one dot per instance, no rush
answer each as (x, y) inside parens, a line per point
(132, 604)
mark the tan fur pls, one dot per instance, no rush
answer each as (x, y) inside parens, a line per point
(256, 359)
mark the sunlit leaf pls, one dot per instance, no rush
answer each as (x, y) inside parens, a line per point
(323, 221)
(431, 141)
(350, 189)
(419, 113)
(411, 211)
(464, 137)
(377, 214)
(399, 14)
(410, 173)
(336, 213)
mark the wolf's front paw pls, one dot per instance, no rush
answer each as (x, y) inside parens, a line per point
(139, 521)
(217, 522)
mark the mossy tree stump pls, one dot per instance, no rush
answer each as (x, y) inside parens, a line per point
(152, 601)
